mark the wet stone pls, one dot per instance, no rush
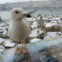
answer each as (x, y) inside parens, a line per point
(21, 57)
(36, 60)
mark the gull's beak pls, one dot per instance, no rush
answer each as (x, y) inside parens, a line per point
(28, 15)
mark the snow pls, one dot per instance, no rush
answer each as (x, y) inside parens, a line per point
(55, 18)
(34, 33)
(4, 33)
(30, 19)
(7, 43)
(34, 25)
(3, 28)
(35, 40)
(1, 51)
(38, 18)
(50, 24)
(45, 18)
(1, 40)
(50, 35)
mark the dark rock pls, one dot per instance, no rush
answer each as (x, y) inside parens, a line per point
(21, 57)
(36, 60)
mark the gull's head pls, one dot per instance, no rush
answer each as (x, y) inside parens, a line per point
(19, 14)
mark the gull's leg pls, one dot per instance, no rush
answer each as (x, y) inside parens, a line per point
(17, 46)
(21, 48)
(17, 50)
(24, 49)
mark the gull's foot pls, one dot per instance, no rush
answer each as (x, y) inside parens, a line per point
(21, 51)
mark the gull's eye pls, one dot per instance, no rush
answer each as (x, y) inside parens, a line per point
(16, 12)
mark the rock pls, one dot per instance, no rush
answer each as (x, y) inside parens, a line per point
(21, 57)
(1, 40)
(35, 40)
(36, 60)
(8, 44)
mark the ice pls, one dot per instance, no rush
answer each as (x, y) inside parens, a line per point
(1, 51)
(55, 18)
(34, 33)
(34, 25)
(1, 40)
(35, 40)
(51, 35)
(7, 43)
(50, 24)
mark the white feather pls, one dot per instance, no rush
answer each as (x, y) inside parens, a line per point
(19, 29)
